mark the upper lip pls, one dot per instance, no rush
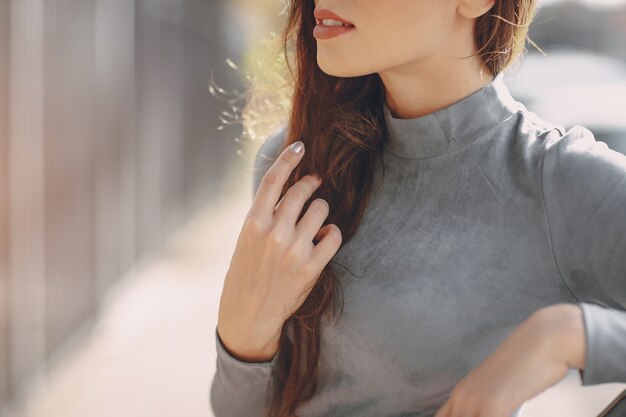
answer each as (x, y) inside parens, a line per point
(327, 14)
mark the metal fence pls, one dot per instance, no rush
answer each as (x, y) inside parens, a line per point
(108, 142)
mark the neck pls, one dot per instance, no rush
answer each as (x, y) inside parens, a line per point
(425, 86)
(451, 127)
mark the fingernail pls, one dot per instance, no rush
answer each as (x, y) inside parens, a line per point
(297, 147)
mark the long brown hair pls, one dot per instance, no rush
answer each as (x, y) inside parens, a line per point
(341, 123)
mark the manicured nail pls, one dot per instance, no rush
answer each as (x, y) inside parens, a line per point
(297, 147)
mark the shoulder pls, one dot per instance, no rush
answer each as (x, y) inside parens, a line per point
(572, 157)
(272, 145)
(579, 162)
(584, 193)
(267, 153)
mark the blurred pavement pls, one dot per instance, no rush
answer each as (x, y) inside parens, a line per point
(152, 353)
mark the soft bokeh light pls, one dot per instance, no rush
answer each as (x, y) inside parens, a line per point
(596, 4)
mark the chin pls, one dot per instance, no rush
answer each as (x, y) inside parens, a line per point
(337, 70)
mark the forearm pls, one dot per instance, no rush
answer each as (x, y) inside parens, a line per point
(564, 324)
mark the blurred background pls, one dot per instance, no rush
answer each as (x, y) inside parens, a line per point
(124, 182)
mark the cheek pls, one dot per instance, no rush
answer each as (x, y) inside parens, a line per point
(407, 27)
(398, 44)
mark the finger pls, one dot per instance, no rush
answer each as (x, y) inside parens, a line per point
(445, 410)
(329, 242)
(463, 410)
(320, 234)
(313, 219)
(291, 205)
(273, 181)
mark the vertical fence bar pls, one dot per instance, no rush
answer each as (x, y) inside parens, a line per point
(115, 176)
(26, 266)
(4, 201)
(159, 108)
(70, 156)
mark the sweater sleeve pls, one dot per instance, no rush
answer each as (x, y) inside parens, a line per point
(584, 191)
(245, 389)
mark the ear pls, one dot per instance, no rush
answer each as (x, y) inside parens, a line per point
(472, 9)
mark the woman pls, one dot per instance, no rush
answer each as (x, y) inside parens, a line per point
(478, 248)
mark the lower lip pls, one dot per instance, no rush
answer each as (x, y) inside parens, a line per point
(327, 32)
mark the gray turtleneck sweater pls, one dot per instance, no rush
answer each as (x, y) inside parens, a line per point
(485, 213)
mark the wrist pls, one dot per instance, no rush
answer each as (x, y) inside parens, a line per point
(246, 352)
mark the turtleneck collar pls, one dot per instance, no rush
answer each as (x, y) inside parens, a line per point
(452, 127)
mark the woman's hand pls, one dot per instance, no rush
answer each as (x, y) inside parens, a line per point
(276, 263)
(536, 356)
